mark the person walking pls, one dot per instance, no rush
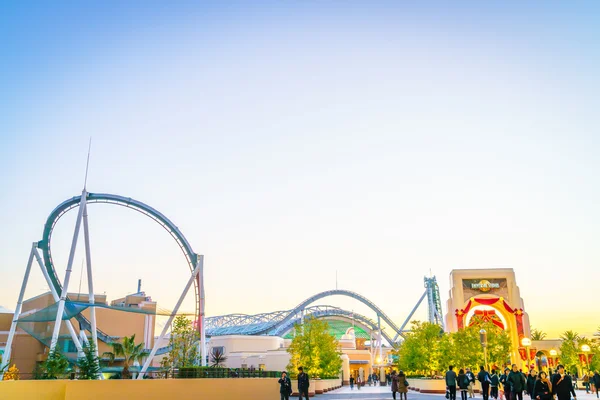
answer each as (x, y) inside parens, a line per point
(517, 383)
(586, 382)
(402, 385)
(451, 383)
(562, 385)
(542, 388)
(506, 384)
(285, 386)
(484, 378)
(463, 384)
(358, 381)
(596, 381)
(303, 383)
(494, 382)
(531, 378)
(351, 382)
(394, 384)
(471, 377)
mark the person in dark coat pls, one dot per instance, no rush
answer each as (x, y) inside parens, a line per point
(471, 377)
(285, 386)
(451, 383)
(562, 385)
(531, 378)
(394, 379)
(402, 385)
(542, 388)
(517, 383)
(351, 382)
(484, 378)
(596, 381)
(463, 384)
(506, 384)
(303, 383)
(494, 382)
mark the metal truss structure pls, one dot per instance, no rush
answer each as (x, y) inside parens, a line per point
(279, 323)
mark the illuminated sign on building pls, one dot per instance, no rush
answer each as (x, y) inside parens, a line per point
(476, 287)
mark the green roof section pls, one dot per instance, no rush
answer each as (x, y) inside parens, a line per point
(338, 328)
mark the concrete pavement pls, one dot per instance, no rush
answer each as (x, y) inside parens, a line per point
(384, 392)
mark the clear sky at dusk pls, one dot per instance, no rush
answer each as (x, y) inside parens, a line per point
(291, 140)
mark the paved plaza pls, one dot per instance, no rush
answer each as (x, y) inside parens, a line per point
(384, 392)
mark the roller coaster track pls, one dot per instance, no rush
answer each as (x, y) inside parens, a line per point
(276, 322)
(103, 198)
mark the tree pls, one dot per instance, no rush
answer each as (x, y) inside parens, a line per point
(89, 364)
(184, 344)
(499, 345)
(537, 334)
(314, 349)
(569, 350)
(12, 374)
(128, 350)
(420, 352)
(217, 357)
(467, 347)
(56, 366)
(427, 349)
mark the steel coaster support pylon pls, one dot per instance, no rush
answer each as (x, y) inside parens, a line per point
(11, 334)
(198, 268)
(432, 292)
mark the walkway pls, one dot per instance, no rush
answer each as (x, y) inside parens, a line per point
(384, 392)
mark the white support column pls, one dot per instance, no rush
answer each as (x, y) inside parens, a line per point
(168, 324)
(56, 298)
(88, 260)
(379, 339)
(63, 296)
(13, 326)
(202, 304)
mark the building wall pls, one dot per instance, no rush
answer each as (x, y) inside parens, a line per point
(206, 389)
(244, 343)
(27, 351)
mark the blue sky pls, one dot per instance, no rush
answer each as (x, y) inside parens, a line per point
(289, 140)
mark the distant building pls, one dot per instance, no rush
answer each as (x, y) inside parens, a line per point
(30, 345)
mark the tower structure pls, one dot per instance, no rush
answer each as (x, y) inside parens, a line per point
(433, 301)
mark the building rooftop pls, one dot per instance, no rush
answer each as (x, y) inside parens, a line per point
(4, 310)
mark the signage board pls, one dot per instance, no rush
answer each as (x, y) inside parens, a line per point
(477, 287)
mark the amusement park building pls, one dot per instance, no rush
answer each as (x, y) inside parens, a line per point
(270, 352)
(30, 346)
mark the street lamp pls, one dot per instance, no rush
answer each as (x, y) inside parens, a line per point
(483, 340)
(586, 349)
(527, 343)
(553, 354)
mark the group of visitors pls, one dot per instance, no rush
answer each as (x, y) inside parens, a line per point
(514, 382)
(559, 386)
(591, 381)
(285, 385)
(399, 384)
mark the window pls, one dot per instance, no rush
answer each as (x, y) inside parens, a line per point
(67, 346)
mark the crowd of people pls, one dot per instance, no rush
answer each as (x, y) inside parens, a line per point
(514, 383)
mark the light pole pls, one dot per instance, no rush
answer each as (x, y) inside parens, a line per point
(553, 355)
(527, 343)
(586, 349)
(483, 340)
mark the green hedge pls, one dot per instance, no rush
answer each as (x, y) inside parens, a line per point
(210, 372)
